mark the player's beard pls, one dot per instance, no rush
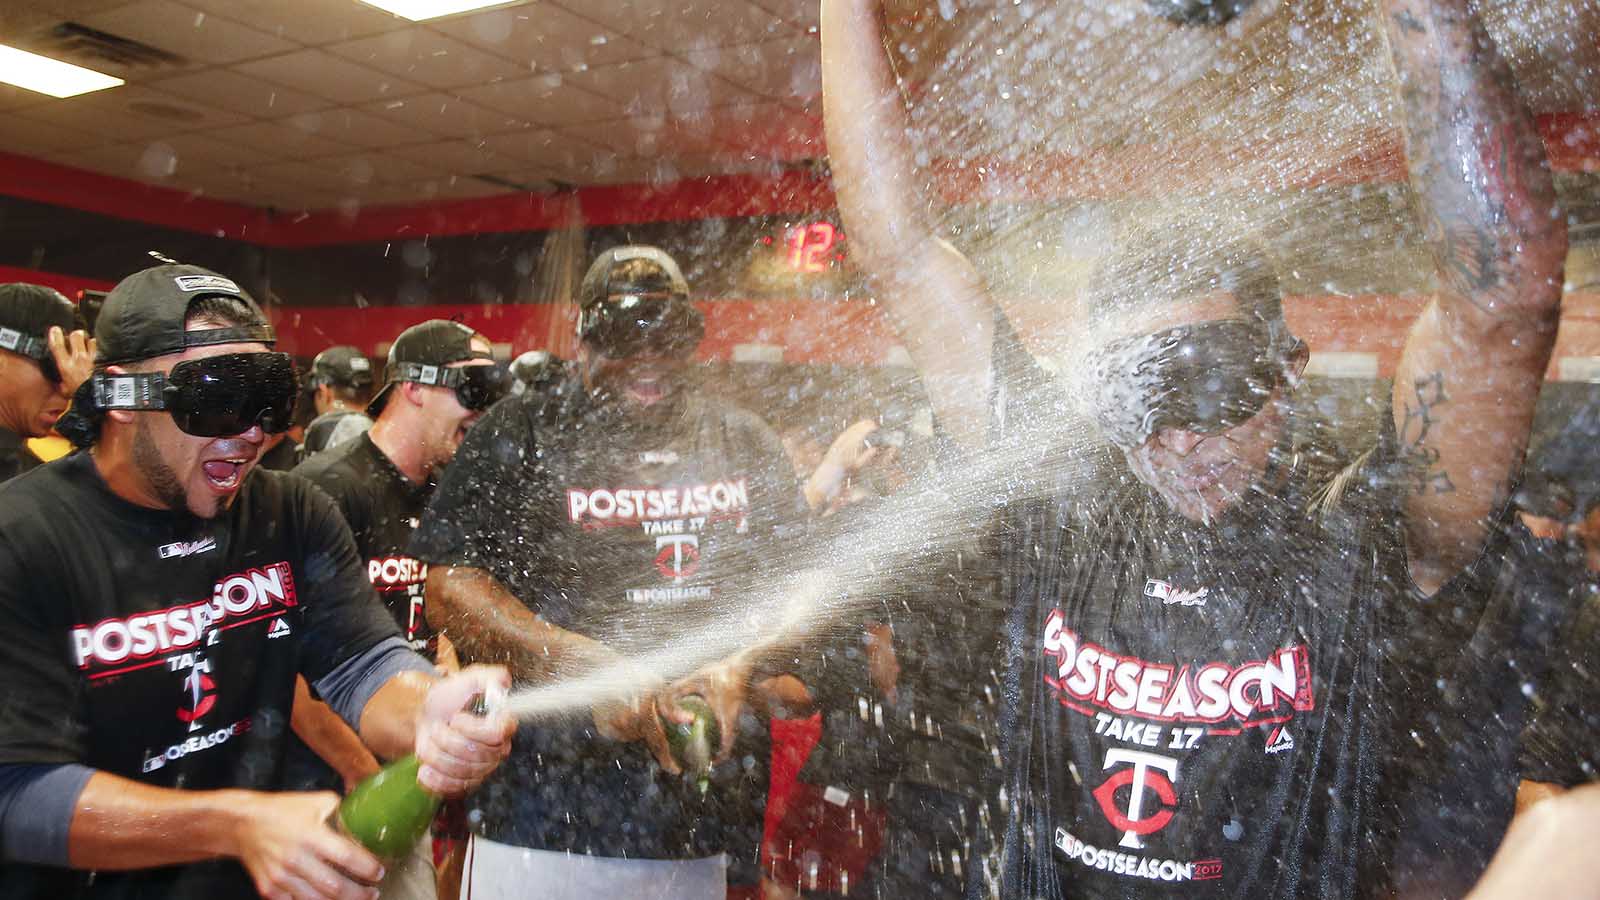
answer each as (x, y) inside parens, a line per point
(163, 481)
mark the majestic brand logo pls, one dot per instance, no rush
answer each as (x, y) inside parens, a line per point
(678, 556)
(1146, 771)
(279, 629)
(192, 283)
(237, 599)
(1279, 740)
(186, 548)
(1254, 693)
(1170, 595)
(623, 506)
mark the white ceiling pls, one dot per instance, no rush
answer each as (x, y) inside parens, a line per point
(321, 103)
(332, 103)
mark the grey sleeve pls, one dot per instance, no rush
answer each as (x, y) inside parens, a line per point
(353, 682)
(36, 808)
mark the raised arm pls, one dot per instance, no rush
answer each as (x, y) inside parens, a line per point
(938, 304)
(1469, 377)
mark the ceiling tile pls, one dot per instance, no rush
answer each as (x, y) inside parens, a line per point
(130, 112)
(328, 175)
(427, 57)
(33, 138)
(805, 16)
(186, 31)
(783, 68)
(770, 131)
(659, 86)
(452, 157)
(443, 115)
(679, 25)
(353, 127)
(306, 21)
(368, 169)
(544, 99)
(204, 150)
(546, 37)
(282, 140)
(540, 147)
(325, 75)
(227, 89)
(17, 98)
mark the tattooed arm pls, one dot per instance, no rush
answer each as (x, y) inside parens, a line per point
(1470, 374)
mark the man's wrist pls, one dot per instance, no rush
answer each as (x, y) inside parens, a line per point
(230, 812)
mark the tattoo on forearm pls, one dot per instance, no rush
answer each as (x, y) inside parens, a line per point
(1419, 461)
(1476, 159)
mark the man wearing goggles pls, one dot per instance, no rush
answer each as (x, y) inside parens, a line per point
(441, 377)
(340, 386)
(44, 355)
(1221, 543)
(569, 513)
(161, 598)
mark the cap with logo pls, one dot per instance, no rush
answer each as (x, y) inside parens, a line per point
(143, 316)
(341, 366)
(635, 300)
(422, 352)
(27, 313)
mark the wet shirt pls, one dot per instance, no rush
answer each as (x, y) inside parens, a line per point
(162, 648)
(15, 457)
(1561, 744)
(1193, 710)
(383, 507)
(629, 531)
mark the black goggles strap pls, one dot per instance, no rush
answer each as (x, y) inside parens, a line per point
(139, 391)
(439, 376)
(24, 344)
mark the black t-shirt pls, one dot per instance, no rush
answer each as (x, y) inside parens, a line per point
(15, 457)
(1561, 745)
(382, 507)
(1192, 710)
(627, 530)
(162, 648)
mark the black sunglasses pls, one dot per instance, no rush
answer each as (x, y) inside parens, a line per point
(1204, 378)
(212, 397)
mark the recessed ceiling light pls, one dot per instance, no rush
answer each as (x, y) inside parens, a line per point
(423, 10)
(50, 76)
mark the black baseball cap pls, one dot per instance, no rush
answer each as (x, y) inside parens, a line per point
(27, 312)
(144, 314)
(420, 351)
(635, 299)
(342, 366)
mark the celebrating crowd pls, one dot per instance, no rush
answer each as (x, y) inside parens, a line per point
(1200, 655)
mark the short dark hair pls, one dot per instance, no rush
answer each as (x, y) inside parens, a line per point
(1157, 264)
(229, 312)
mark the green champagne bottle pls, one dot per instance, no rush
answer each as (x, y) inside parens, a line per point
(390, 812)
(694, 743)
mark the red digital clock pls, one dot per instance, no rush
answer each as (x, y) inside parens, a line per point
(812, 248)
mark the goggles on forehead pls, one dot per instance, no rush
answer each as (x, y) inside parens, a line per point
(1203, 378)
(34, 348)
(625, 325)
(217, 396)
(476, 387)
